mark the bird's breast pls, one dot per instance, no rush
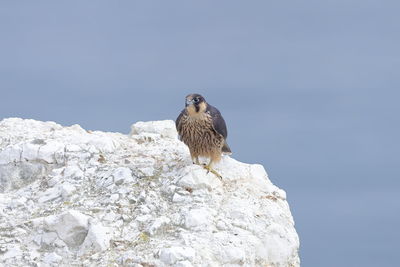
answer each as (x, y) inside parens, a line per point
(199, 135)
(196, 127)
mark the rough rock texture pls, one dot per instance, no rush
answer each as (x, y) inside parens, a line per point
(74, 197)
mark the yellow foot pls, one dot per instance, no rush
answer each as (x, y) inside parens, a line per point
(209, 169)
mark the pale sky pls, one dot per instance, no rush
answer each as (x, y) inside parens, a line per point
(309, 89)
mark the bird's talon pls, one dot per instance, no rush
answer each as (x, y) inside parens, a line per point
(209, 169)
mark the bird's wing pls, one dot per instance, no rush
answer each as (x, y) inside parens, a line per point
(178, 122)
(218, 121)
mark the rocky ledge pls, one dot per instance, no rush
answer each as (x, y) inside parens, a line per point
(74, 197)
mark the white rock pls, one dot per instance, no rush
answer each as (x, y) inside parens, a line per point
(52, 258)
(48, 238)
(60, 244)
(99, 142)
(197, 218)
(67, 190)
(179, 198)
(158, 225)
(196, 177)
(275, 244)
(145, 209)
(164, 128)
(73, 148)
(73, 172)
(13, 251)
(49, 151)
(17, 202)
(111, 216)
(39, 221)
(141, 201)
(122, 175)
(183, 264)
(174, 254)
(54, 180)
(114, 197)
(142, 196)
(105, 181)
(30, 151)
(143, 218)
(37, 239)
(49, 195)
(221, 225)
(128, 258)
(97, 239)
(232, 255)
(10, 154)
(71, 227)
(147, 171)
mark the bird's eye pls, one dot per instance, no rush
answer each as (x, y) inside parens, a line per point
(196, 100)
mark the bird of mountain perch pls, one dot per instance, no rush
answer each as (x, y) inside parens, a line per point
(202, 128)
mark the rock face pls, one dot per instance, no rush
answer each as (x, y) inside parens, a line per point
(74, 197)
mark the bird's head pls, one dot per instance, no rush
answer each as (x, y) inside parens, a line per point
(195, 104)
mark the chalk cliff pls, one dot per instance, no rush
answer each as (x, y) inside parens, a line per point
(74, 197)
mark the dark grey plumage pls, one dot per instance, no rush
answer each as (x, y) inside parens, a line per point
(219, 125)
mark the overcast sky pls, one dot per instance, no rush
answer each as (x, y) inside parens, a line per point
(309, 89)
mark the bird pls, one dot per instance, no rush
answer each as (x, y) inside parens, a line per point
(203, 129)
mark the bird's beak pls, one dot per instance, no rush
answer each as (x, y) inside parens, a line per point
(189, 102)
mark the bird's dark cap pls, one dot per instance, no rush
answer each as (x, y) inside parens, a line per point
(191, 96)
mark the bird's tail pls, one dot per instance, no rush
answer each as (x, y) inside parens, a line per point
(226, 149)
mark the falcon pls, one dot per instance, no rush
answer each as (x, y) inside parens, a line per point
(202, 128)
